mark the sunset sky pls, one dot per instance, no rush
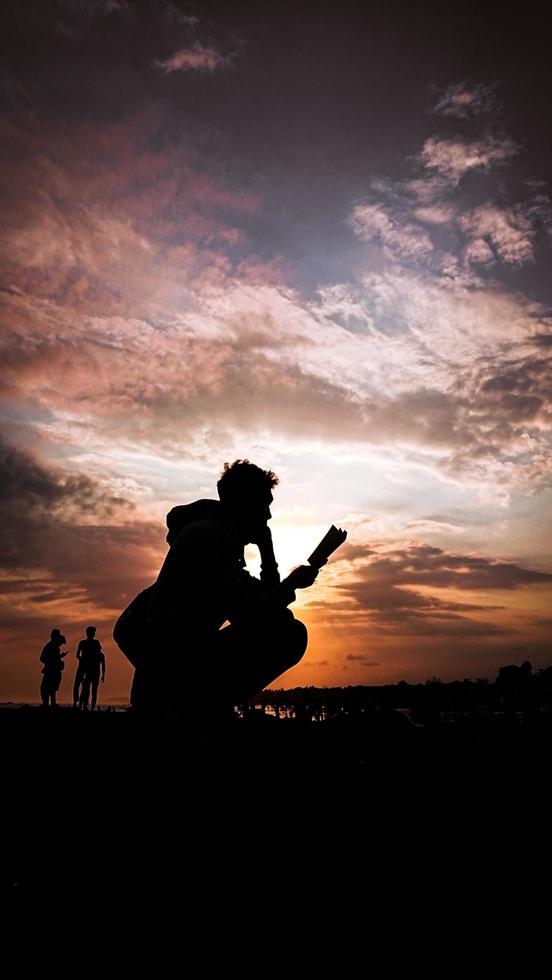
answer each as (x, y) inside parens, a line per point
(314, 236)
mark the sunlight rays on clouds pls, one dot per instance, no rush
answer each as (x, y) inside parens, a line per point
(151, 332)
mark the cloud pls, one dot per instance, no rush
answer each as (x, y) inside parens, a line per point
(153, 298)
(174, 15)
(372, 222)
(390, 587)
(462, 100)
(452, 159)
(543, 340)
(150, 328)
(120, 225)
(67, 534)
(412, 387)
(509, 231)
(479, 253)
(96, 8)
(436, 214)
(427, 190)
(363, 660)
(432, 525)
(196, 58)
(519, 395)
(426, 565)
(44, 493)
(114, 6)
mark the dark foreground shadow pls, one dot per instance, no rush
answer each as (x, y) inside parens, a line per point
(109, 802)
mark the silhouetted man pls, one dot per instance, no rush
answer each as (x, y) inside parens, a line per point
(52, 658)
(79, 676)
(172, 632)
(91, 659)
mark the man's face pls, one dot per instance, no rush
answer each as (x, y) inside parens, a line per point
(255, 515)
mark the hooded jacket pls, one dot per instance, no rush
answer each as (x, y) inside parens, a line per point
(203, 581)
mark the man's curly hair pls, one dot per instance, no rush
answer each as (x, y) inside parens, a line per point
(243, 479)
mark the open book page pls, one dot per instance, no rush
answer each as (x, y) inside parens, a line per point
(332, 540)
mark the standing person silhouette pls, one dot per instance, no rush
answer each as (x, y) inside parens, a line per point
(52, 658)
(91, 658)
(172, 632)
(79, 675)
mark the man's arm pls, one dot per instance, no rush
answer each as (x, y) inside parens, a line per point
(203, 567)
(300, 578)
(270, 592)
(102, 662)
(269, 567)
(243, 595)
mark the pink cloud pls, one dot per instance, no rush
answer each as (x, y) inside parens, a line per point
(436, 214)
(508, 230)
(462, 100)
(454, 158)
(116, 228)
(372, 222)
(479, 253)
(196, 58)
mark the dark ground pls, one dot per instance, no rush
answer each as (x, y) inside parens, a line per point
(105, 802)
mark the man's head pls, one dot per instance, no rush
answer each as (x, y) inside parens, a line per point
(90, 632)
(58, 637)
(246, 491)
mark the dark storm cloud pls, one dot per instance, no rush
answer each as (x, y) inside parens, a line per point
(431, 566)
(511, 404)
(384, 588)
(46, 529)
(521, 392)
(33, 489)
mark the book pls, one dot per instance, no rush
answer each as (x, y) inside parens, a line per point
(329, 543)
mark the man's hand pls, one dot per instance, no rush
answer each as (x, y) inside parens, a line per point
(263, 537)
(302, 577)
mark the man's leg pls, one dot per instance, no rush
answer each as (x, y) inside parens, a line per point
(246, 658)
(154, 679)
(237, 664)
(85, 689)
(94, 686)
(76, 685)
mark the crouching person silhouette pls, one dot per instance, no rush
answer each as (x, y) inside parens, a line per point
(173, 633)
